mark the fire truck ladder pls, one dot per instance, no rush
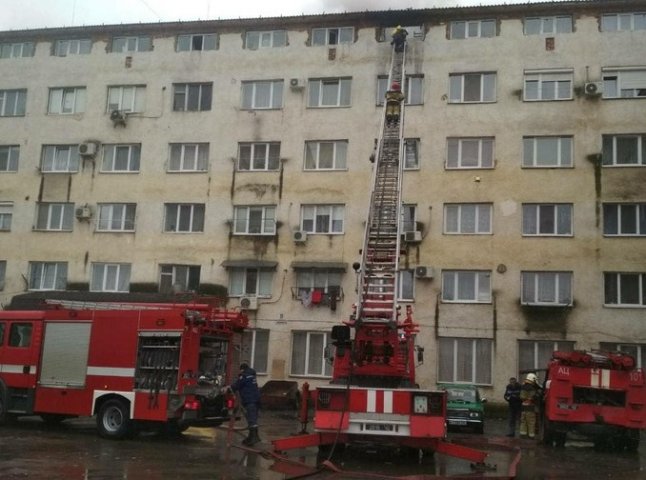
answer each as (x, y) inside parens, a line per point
(381, 247)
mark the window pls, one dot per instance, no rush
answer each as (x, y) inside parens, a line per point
(55, 216)
(184, 217)
(624, 219)
(254, 220)
(329, 92)
(635, 350)
(413, 88)
(126, 98)
(624, 82)
(12, 103)
(534, 355)
(547, 152)
(326, 281)
(110, 277)
(332, 36)
(250, 281)
(546, 288)
(268, 39)
(467, 218)
(47, 275)
(63, 48)
(543, 85)
(60, 159)
(255, 349)
(64, 101)
(466, 286)
(406, 285)
(411, 153)
(322, 218)
(469, 152)
(322, 155)
(6, 214)
(465, 360)
(258, 156)
(262, 95)
(121, 158)
(9, 155)
(20, 335)
(547, 219)
(473, 29)
(408, 218)
(624, 289)
(624, 150)
(189, 157)
(192, 97)
(131, 44)
(116, 217)
(472, 87)
(197, 42)
(548, 25)
(16, 50)
(179, 278)
(623, 22)
(3, 274)
(308, 354)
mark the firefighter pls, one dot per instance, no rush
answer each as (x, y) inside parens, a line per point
(247, 387)
(530, 393)
(394, 98)
(399, 38)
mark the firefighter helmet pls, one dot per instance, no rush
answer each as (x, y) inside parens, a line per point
(395, 86)
(531, 377)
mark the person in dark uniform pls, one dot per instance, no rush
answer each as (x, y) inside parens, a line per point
(512, 396)
(247, 387)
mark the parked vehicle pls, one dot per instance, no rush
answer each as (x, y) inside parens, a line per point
(464, 407)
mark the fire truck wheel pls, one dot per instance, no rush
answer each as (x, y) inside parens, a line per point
(113, 420)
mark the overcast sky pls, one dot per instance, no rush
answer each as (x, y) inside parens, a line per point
(21, 14)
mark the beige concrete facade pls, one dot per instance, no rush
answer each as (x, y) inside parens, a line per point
(587, 253)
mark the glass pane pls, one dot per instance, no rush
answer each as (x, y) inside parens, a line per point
(466, 286)
(464, 370)
(565, 286)
(628, 219)
(610, 219)
(458, 30)
(445, 356)
(564, 219)
(330, 93)
(468, 219)
(531, 89)
(472, 85)
(546, 219)
(487, 28)
(299, 340)
(627, 150)
(484, 219)
(546, 287)
(263, 95)
(546, 151)
(470, 153)
(326, 155)
(486, 160)
(483, 361)
(529, 219)
(455, 88)
(489, 87)
(452, 153)
(532, 26)
(564, 25)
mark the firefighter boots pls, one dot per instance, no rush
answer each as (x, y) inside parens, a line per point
(253, 437)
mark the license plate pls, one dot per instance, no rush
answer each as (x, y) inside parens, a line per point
(457, 422)
(379, 427)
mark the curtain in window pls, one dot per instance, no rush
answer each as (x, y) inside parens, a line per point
(483, 357)
(299, 341)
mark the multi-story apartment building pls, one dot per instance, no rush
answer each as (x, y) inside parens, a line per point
(184, 156)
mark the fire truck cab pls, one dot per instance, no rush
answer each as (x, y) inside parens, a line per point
(129, 364)
(601, 395)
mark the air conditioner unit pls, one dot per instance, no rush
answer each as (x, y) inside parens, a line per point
(84, 212)
(592, 89)
(87, 149)
(249, 303)
(424, 272)
(299, 236)
(413, 237)
(118, 117)
(296, 84)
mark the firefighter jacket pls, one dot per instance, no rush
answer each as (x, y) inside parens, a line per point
(247, 386)
(529, 396)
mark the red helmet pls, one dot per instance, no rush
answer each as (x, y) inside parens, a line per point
(395, 86)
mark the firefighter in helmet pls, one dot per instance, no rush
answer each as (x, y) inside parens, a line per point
(399, 38)
(394, 98)
(247, 386)
(530, 393)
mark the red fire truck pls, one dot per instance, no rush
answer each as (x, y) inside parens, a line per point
(601, 395)
(129, 364)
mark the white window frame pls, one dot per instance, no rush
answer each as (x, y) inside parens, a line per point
(54, 217)
(551, 85)
(13, 102)
(129, 44)
(334, 214)
(116, 217)
(329, 92)
(112, 164)
(411, 153)
(9, 158)
(535, 286)
(332, 36)
(253, 93)
(322, 279)
(46, 276)
(623, 22)
(177, 214)
(537, 210)
(244, 225)
(624, 82)
(197, 42)
(406, 285)
(6, 215)
(618, 279)
(457, 153)
(473, 29)
(250, 281)
(456, 215)
(259, 39)
(188, 157)
(60, 159)
(616, 215)
(187, 91)
(408, 221)
(110, 277)
(326, 368)
(251, 158)
(536, 150)
(255, 348)
(478, 280)
(182, 278)
(611, 147)
(414, 89)
(17, 49)
(66, 100)
(73, 46)
(335, 152)
(548, 25)
(457, 87)
(477, 373)
(126, 98)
